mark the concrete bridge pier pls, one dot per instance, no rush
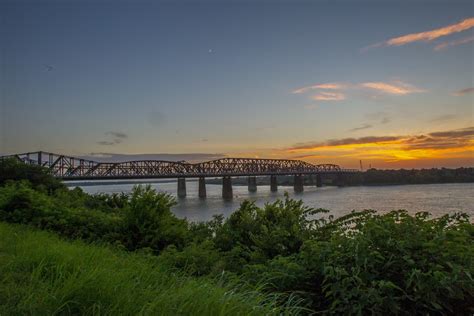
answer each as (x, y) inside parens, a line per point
(319, 180)
(273, 183)
(227, 188)
(252, 184)
(181, 187)
(298, 183)
(202, 188)
(340, 180)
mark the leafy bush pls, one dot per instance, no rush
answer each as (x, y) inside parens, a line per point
(12, 169)
(393, 263)
(149, 222)
(278, 228)
(195, 259)
(19, 203)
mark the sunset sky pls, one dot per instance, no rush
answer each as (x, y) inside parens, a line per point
(386, 82)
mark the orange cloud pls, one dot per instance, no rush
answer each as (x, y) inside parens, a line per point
(437, 145)
(428, 35)
(328, 86)
(397, 87)
(329, 96)
(454, 43)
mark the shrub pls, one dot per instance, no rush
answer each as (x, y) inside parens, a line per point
(393, 263)
(19, 203)
(278, 228)
(12, 169)
(149, 222)
(195, 259)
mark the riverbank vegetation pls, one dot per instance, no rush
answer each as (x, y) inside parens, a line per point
(376, 177)
(280, 258)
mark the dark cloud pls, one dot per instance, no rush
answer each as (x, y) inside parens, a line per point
(464, 132)
(464, 91)
(117, 134)
(362, 127)
(347, 141)
(106, 143)
(114, 138)
(437, 140)
(443, 118)
(190, 157)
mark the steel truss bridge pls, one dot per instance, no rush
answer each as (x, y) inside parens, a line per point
(73, 168)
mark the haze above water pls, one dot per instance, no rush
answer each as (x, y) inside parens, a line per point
(438, 199)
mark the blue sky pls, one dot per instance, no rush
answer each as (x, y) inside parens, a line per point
(82, 77)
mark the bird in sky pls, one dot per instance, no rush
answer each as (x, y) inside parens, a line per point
(48, 67)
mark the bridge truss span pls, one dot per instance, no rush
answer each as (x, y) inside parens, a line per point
(68, 167)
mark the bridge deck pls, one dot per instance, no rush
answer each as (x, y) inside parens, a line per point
(73, 168)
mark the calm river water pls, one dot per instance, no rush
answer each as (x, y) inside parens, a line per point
(437, 199)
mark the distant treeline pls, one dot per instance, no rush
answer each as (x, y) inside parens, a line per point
(413, 176)
(376, 177)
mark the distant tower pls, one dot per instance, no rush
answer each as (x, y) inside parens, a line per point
(361, 168)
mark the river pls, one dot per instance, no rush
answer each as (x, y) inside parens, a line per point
(438, 199)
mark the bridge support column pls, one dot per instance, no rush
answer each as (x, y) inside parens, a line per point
(227, 188)
(340, 180)
(319, 180)
(202, 188)
(252, 184)
(298, 183)
(273, 183)
(181, 187)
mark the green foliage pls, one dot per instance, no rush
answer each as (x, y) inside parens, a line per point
(196, 258)
(12, 169)
(393, 263)
(259, 234)
(144, 220)
(19, 203)
(149, 222)
(42, 275)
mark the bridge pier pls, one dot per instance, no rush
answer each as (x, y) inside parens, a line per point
(319, 180)
(202, 188)
(227, 188)
(298, 183)
(181, 187)
(252, 181)
(273, 183)
(340, 180)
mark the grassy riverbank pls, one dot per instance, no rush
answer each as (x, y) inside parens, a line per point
(41, 274)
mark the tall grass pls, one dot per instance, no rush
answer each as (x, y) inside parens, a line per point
(41, 274)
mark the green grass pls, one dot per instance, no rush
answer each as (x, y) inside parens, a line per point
(40, 274)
